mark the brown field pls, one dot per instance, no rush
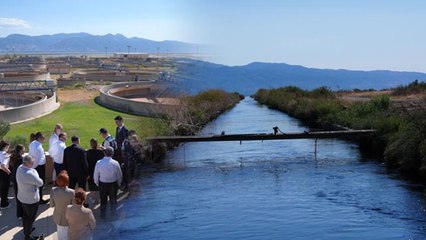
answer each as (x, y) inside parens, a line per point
(80, 95)
(411, 103)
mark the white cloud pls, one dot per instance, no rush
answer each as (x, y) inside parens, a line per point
(13, 22)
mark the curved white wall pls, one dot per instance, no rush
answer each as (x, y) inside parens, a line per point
(27, 112)
(129, 106)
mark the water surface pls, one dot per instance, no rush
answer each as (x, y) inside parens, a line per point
(270, 190)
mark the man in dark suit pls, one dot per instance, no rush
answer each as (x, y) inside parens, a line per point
(121, 134)
(75, 163)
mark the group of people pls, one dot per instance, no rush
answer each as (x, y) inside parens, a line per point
(103, 168)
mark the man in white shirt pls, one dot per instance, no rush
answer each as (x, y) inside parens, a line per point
(108, 176)
(57, 152)
(37, 152)
(55, 137)
(28, 182)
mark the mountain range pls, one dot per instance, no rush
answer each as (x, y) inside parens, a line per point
(87, 43)
(197, 76)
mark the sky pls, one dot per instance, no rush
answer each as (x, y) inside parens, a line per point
(335, 34)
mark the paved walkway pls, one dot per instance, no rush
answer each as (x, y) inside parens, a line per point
(11, 227)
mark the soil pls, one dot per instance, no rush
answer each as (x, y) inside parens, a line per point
(80, 95)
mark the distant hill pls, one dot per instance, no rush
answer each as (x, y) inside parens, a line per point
(198, 75)
(84, 42)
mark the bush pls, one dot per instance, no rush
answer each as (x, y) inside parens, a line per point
(399, 140)
(4, 129)
(413, 88)
(13, 141)
(196, 111)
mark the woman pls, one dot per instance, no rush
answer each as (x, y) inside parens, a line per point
(15, 162)
(4, 174)
(80, 219)
(93, 155)
(60, 197)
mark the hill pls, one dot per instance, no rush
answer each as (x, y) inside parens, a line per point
(84, 42)
(198, 75)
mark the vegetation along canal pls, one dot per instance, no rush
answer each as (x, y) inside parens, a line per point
(272, 190)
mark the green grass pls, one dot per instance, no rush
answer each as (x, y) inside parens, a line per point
(85, 120)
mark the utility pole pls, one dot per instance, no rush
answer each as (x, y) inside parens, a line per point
(128, 49)
(106, 52)
(158, 57)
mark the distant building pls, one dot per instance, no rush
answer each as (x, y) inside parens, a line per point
(28, 60)
(63, 68)
(124, 56)
(15, 68)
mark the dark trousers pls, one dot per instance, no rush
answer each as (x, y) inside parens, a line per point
(81, 181)
(118, 155)
(58, 168)
(129, 170)
(30, 214)
(19, 211)
(41, 170)
(4, 188)
(108, 190)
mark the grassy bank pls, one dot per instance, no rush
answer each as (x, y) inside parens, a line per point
(83, 119)
(400, 140)
(196, 111)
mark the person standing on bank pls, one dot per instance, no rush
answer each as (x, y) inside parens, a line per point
(29, 184)
(107, 177)
(75, 163)
(93, 155)
(109, 140)
(55, 137)
(121, 133)
(60, 197)
(132, 155)
(80, 219)
(15, 162)
(37, 152)
(57, 153)
(4, 174)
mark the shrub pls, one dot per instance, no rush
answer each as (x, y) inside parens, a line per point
(399, 140)
(15, 140)
(4, 128)
(412, 88)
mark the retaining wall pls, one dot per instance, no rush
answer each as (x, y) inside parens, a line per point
(122, 104)
(25, 77)
(110, 76)
(34, 110)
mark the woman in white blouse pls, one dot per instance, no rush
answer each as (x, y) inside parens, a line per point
(4, 174)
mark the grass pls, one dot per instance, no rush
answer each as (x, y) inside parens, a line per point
(85, 120)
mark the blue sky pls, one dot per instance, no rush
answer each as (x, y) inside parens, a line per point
(380, 34)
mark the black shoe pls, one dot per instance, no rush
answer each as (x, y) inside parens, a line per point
(44, 201)
(5, 206)
(32, 238)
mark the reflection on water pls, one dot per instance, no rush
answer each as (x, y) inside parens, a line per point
(270, 190)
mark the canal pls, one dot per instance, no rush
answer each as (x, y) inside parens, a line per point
(270, 189)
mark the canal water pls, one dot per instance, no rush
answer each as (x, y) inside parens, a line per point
(270, 189)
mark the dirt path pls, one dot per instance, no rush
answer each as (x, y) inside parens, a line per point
(85, 95)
